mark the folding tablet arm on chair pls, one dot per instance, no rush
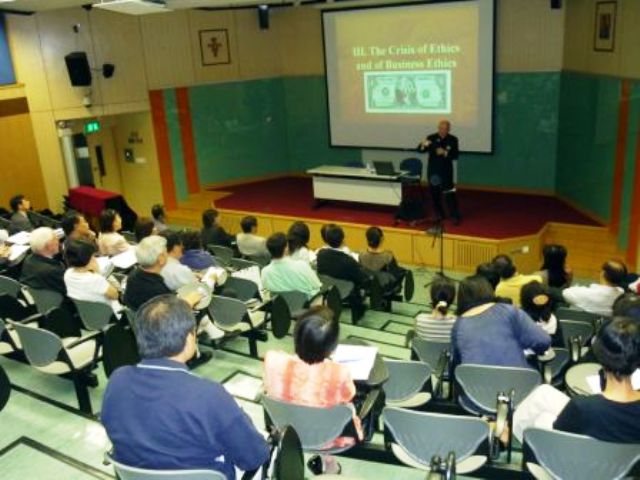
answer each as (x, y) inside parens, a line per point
(504, 419)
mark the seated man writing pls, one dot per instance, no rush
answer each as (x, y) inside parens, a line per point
(159, 416)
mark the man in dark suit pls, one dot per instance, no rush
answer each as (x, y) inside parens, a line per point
(20, 221)
(442, 148)
(43, 268)
(337, 263)
(213, 233)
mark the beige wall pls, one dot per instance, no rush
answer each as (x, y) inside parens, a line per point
(579, 55)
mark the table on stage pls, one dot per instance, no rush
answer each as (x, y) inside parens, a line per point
(357, 184)
(91, 201)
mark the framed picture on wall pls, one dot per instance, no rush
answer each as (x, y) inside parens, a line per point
(605, 27)
(214, 47)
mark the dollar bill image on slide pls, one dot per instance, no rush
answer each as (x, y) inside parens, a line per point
(426, 91)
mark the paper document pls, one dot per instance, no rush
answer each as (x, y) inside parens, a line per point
(106, 266)
(594, 382)
(214, 276)
(20, 238)
(244, 386)
(17, 251)
(251, 273)
(359, 359)
(126, 259)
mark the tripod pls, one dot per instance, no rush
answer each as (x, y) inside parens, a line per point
(437, 231)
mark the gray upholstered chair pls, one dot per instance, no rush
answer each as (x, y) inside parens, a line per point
(406, 383)
(244, 288)
(317, 427)
(241, 263)
(233, 317)
(125, 472)
(50, 354)
(9, 286)
(223, 254)
(550, 454)
(296, 301)
(44, 299)
(415, 437)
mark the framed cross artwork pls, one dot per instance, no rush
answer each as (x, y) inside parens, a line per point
(214, 47)
(605, 27)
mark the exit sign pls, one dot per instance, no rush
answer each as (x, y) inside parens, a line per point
(92, 127)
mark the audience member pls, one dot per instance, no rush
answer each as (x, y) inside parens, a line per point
(143, 228)
(337, 263)
(212, 233)
(490, 333)
(159, 218)
(627, 305)
(194, 256)
(5, 250)
(20, 221)
(489, 271)
(436, 326)
(83, 279)
(537, 302)
(511, 281)
(310, 377)
(75, 227)
(343, 248)
(250, 244)
(298, 238)
(43, 268)
(174, 273)
(554, 271)
(110, 242)
(611, 416)
(284, 274)
(160, 417)
(381, 262)
(598, 298)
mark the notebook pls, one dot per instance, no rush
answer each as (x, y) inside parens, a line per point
(358, 358)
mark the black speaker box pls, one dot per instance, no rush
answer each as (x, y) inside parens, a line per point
(263, 17)
(556, 4)
(78, 68)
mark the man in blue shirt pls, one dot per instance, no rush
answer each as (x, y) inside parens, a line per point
(160, 416)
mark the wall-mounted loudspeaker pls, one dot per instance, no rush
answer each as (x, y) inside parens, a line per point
(108, 69)
(78, 68)
(263, 17)
(556, 4)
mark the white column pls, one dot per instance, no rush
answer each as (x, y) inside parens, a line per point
(66, 143)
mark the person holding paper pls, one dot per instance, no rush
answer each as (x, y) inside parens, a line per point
(83, 279)
(442, 148)
(110, 241)
(310, 377)
(612, 415)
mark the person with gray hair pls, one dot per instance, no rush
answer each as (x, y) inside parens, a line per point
(158, 416)
(43, 268)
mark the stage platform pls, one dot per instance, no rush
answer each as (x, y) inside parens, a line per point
(493, 222)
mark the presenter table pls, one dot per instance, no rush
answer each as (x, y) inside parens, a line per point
(353, 184)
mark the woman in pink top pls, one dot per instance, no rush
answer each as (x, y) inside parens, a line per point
(310, 377)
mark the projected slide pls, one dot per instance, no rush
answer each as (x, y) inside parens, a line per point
(393, 72)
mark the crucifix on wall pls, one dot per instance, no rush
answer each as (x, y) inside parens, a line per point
(214, 47)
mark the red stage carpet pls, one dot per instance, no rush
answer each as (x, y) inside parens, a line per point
(485, 214)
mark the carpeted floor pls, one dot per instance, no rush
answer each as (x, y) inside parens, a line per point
(486, 214)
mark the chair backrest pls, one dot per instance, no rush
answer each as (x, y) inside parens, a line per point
(412, 165)
(409, 286)
(482, 383)
(41, 347)
(567, 313)
(227, 312)
(295, 300)
(406, 378)
(429, 352)
(45, 299)
(280, 317)
(576, 328)
(241, 263)
(569, 456)
(244, 288)
(334, 302)
(5, 388)
(124, 472)
(345, 287)
(9, 286)
(262, 260)
(224, 254)
(424, 435)
(94, 315)
(289, 461)
(316, 426)
(119, 348)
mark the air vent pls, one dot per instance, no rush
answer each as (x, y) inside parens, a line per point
(133, 7)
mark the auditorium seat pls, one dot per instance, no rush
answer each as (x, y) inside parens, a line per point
(232, 316)
(241, 264)
(48, 353)
(415, 437)
(125, 472)
(95, 316)
(244, 289)
(405, 387)
(44, 299)
(10, 286)
(551, 454)
(222, 254)
(281, 316)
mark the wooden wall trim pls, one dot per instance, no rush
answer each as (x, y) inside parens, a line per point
(13, 106)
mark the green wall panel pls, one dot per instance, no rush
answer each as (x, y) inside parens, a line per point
(239, 129)
(587, 141)
(308, 125)
(175, 142)
(630, 165)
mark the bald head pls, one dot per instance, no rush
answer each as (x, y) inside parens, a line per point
(614, 273)
(444, 126)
